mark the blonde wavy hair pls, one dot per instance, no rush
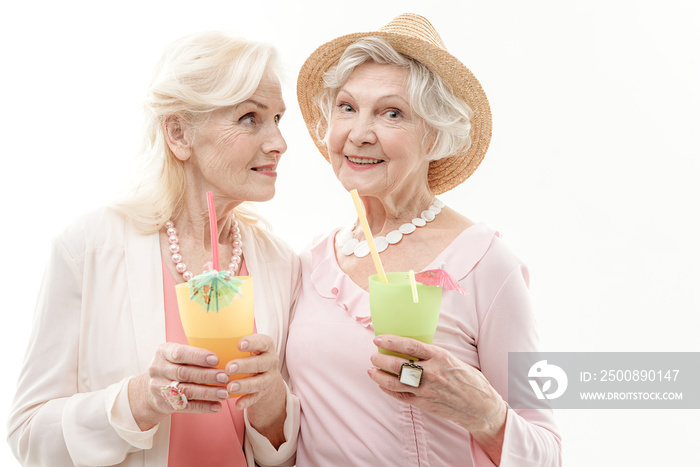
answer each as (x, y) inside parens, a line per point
(196, 75)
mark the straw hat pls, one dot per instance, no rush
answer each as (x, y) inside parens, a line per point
(411, 35)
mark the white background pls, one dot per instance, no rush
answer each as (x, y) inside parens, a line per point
(591, 176)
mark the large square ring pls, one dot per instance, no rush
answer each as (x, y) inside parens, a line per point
(411, 374)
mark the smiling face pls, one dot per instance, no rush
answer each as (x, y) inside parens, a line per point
(375, 142)
(236, 151)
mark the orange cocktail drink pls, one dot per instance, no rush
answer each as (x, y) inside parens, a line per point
(219, 330)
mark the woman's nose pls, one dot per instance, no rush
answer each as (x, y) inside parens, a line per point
(275, 142)
(362, 132)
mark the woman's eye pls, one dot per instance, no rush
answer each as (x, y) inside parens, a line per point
(277, 119)
(247, 118)
(345, 107)
(393, 114)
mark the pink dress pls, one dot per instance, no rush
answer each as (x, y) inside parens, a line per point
(201, 439)
(347, 420)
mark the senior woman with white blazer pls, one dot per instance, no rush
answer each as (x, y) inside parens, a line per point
(107, 339)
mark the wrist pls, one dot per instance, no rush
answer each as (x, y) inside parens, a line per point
(491, 434)
(269, 413)
(143, 410)
(493, 422)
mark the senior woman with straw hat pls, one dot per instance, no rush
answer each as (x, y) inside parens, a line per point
(401, 120)
(108, 377)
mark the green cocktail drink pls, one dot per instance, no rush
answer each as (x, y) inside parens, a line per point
(394, 312)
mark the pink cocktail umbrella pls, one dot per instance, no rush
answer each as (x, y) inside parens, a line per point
(441, 278)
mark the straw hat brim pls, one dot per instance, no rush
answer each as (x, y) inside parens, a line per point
(443, 174)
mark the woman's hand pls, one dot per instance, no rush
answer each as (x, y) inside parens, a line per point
(265, 392)
(193, 368)
(450, 389)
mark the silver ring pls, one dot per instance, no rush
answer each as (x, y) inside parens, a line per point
(411, 374)
(174, 396)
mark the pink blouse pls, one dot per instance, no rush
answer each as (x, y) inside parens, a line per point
(347, 420)
(201, 439)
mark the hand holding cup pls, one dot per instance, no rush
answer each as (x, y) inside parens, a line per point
(194, 371)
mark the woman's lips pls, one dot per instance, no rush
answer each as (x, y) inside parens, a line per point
(362, 163)
(268, 170)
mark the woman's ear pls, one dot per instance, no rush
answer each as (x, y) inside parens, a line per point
(177, 135)
(429, 141)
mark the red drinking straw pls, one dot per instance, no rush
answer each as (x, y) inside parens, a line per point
(213, 230)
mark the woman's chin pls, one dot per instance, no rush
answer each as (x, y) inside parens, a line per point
(266, 197)
(259, 196)
(363, 185)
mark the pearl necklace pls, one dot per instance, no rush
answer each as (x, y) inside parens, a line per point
(234, 237)
(352, 246)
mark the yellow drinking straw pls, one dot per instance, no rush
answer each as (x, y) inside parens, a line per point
(368, 235)
(414, 288)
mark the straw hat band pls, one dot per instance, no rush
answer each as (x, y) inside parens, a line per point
(413, 36)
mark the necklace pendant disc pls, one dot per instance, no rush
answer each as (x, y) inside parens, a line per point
(362, 249)
(381, 243)
(394, 237)
(407, 228)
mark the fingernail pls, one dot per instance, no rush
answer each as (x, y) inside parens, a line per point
(216, 407)
(378, 340)
(243, 345)
(212, 359)
(234, 387)
(369, 372)
(222, 394)
(232, 368)
(222, 378)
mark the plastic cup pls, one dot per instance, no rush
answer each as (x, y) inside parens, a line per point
(219, 331)
(394, 312)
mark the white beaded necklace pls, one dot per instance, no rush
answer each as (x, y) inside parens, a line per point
(234, 237)
(352, 246)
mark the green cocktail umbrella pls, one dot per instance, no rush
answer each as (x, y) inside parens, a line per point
(214, 289)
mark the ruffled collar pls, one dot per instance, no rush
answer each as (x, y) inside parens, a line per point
(331, 282)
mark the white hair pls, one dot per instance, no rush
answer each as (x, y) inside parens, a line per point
(430, 97)
(196, 75)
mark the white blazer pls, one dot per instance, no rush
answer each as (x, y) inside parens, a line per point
(99, 317)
